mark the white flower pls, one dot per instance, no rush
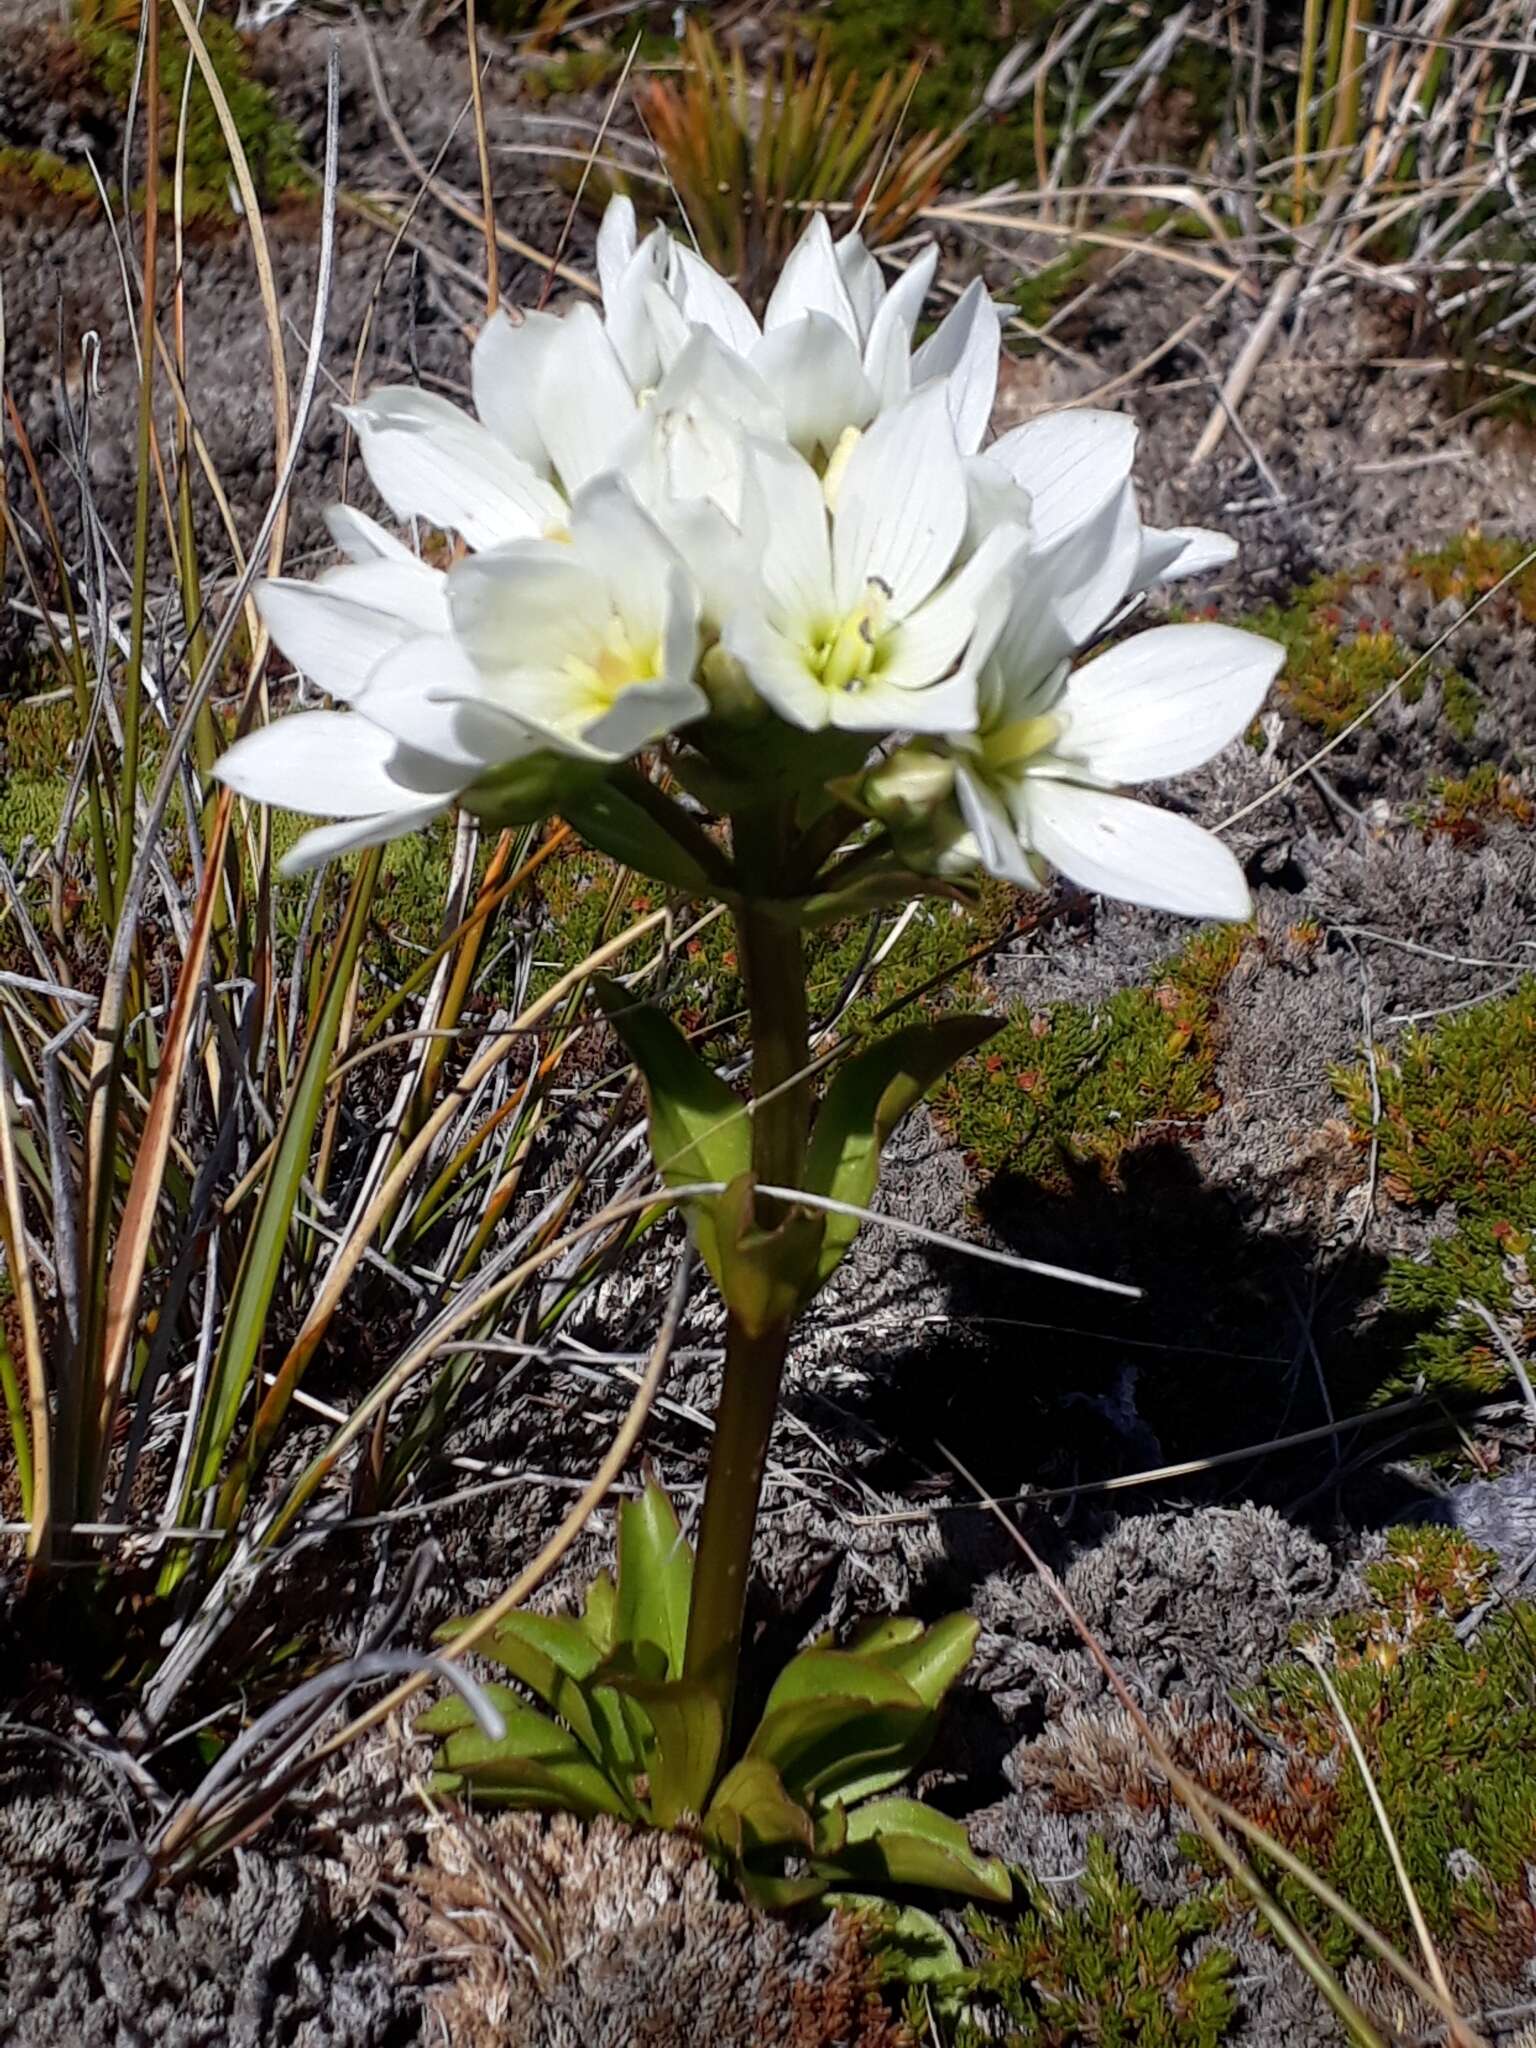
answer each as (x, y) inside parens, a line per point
(856, 625)
(1089, 546)
(371, 634)
(1037, 782)
(589, 646)
(835, 343)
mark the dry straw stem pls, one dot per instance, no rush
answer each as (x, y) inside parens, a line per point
(1206, 1810)
(446, 196)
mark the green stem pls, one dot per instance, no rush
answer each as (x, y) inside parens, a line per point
(773, 969)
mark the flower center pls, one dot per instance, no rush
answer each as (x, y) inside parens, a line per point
(844, 655)
(1010, 746)
(616, 664)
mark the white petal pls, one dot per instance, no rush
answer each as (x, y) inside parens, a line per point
(531, 604)
(888, 351)
(709, 375)
(411, 591)
(708, 301)
(625, 549)
(813, 369)
(330, 764)
(931, 638)
(428, 695)
(863, 280)
(964, 351)
(583, 402)
(362, 539)
(504, 370)
(628, 311)
(776, 665)
(723, 561)
(812, 282)
(885, 706)
(797, 557)
(314, 848)
(901, 509)
(1071, 463)
(1085, 573)
(1118, 847)
(992, 828)
(430, 461)
(669, 328)
(1166, 700)
(643, 713)
(1168, 553)
(336, 641)
(617, 240)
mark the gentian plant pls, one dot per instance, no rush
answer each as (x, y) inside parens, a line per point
(750, 605)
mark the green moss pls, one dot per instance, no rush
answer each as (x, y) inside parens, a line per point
(1448, 1729)
(1334, 669)
(40, 171)
(1043, 292)
(1458, 1127)
(1104, 1968)
(1074, 1085)
(1469, 567)
(1464, 807)
(962, 42)
(1461, 705)
(110, 48)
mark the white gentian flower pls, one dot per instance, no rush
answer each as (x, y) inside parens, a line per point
(835, 343)
(856, 625)
(369, 634)
(1090, 548)
(590, 646)
(1036, 784)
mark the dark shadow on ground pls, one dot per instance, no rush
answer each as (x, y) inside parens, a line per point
(1241, 1336)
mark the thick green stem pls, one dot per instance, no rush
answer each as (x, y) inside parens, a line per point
(773, 969)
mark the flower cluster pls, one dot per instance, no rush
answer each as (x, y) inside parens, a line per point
(775, 552)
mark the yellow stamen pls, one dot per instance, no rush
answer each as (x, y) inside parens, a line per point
(837, 464)
(1010, 746)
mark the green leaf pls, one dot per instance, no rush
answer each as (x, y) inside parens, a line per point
(752, 1813)
(873, 1637)
(874, 889)
(248, 1317)
(521, 792)
(903, 1842)
(918, 1944)
(598, 1610)
(552, 1655)
(699, 1127)
(841, 1726)
(454, 1712)
(655, 1579)
(623, 829)
(838, 1674)
(931, 1661)
(688, 1734)
(764, 1274)
(536, 1763)
(868, 1097)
